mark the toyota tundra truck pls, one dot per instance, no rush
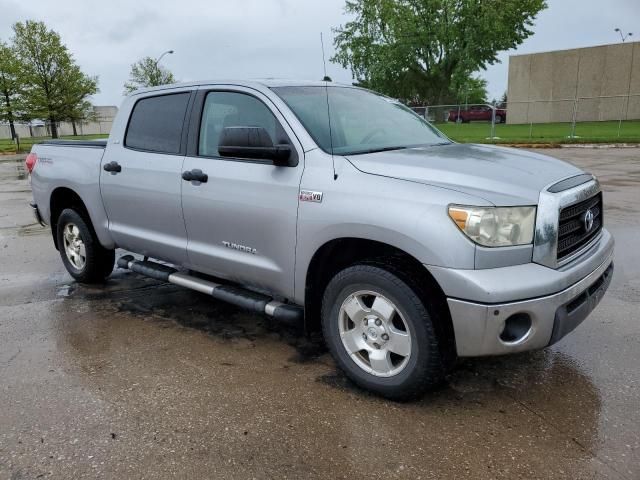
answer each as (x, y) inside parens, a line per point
(338, 208)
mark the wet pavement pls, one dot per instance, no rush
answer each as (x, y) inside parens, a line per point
(140, 379)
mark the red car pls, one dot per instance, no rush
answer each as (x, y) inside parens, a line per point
(477, 113)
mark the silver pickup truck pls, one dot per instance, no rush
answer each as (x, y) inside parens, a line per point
(340, 208)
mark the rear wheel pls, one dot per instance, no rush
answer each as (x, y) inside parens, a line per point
(380, 332)
(82, 255)
(498, 118)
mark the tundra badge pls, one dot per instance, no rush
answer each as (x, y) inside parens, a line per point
(241, 248)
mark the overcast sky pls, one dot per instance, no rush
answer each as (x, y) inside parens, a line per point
(263, 38)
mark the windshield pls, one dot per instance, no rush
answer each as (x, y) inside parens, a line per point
(361, 121)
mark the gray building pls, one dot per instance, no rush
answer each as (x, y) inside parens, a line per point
(104, 116)
(597, 83)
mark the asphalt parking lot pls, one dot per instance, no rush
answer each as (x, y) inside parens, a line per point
(146, 380)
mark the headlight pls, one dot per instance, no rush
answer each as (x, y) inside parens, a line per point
(495, 226)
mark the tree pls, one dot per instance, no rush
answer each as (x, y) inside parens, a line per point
(77, 106)
(51, 78)
(418, 50)
(504, 100)
(9, 86)
(147, 73)
(471, 90)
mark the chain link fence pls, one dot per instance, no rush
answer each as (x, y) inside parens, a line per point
(612, 118)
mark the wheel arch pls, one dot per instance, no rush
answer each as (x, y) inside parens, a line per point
(62, 198)
(339, 253)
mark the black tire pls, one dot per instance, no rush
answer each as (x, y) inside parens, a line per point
(98, 261)
(424, 367)
(499, 119)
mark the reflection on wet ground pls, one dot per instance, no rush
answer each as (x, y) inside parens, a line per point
(144, 379)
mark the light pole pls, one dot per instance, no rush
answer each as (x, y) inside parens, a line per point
(160, 57)
(169, 52)
(622, 36)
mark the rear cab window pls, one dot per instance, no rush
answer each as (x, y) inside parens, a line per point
(156, 123)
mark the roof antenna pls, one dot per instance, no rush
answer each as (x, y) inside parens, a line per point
(326, 87)
(324, 62)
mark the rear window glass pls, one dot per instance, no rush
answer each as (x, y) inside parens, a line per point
(156, 123)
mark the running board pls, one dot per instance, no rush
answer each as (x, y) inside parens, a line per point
(241, 297)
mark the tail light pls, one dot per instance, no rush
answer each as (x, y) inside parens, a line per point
(30, 162)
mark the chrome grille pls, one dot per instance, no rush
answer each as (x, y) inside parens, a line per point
(572, 231)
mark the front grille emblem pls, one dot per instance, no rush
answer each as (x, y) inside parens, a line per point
(587, 220)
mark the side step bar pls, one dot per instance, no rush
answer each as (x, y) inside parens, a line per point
(241, 297)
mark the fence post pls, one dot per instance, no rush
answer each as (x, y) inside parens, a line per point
(426, 113)
(621, 116)
(573, 120)
(493, 122)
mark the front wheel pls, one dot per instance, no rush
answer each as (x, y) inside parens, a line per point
(380, 332)
(498, 118)
(82, 255)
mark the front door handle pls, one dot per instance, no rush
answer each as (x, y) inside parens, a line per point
(113, 167)
(195, 175)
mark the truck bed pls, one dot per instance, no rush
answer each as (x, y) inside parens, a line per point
(70, 166)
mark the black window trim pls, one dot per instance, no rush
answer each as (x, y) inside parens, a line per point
(195, 123)
(183, 133)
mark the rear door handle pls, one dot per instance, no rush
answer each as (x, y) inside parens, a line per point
(113, 167)
(195, 175)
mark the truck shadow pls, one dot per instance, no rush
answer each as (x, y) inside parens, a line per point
(167, 303)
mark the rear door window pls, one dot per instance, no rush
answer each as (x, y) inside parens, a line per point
(156, 123)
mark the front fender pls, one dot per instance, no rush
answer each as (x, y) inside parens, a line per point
(409, 216)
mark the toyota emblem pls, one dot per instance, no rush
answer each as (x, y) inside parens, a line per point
(588, 220)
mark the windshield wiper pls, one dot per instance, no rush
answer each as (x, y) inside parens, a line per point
(376, 150)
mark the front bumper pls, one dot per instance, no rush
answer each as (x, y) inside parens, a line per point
(554, 301)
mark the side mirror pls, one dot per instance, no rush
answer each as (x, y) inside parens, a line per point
(252, 142)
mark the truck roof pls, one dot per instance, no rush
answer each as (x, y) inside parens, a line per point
(267, 82)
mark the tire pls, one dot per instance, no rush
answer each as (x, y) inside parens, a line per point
(82, 255)
(402, 376)
(498, 118)
(459, 119)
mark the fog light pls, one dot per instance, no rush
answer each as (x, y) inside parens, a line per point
(516, 327)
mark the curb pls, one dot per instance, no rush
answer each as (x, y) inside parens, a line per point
(570, 145)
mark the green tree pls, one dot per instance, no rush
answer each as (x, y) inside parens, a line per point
(147, 73)
(471, 90)
(54, 83)
(77, 107)
(418, 50)
(10, 86)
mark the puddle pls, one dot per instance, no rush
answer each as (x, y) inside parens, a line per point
(15, 170)
(32, 229)
(171, 305)
(66, 290)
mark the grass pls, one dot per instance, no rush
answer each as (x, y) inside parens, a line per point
(553, 133)
(477, 132)
(8, 145)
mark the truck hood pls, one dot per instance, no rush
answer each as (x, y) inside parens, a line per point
(502, 176)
